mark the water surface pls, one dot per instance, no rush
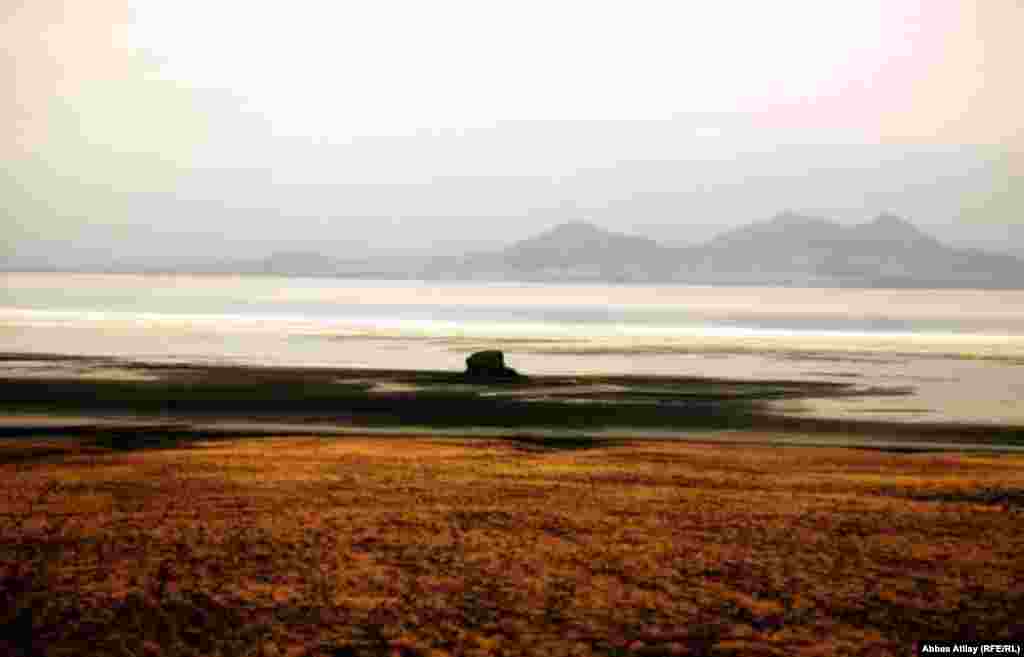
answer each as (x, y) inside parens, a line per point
(961, 350)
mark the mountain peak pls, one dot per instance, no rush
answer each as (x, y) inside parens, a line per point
(576, 232)
(886, 219)
(889, 227)
(576, 227)
(580, 242)
(793, 219)
(783, 228)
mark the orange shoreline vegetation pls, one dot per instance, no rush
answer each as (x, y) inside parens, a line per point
(434, 546)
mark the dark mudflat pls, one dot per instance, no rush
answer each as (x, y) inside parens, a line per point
(447, 400)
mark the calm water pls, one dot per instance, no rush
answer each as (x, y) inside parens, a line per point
(962, 350)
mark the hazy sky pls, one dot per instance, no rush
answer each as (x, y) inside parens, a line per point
(186, 128)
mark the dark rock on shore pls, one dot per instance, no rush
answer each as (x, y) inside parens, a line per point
(489, 364)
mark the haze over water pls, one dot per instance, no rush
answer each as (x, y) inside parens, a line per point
(962, 351)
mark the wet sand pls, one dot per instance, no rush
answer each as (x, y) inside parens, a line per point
(135, 401)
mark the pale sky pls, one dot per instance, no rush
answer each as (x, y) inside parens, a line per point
(144, 125)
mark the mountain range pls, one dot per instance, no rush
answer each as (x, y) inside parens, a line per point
(786, 250)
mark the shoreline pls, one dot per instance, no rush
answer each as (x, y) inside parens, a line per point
(192, 400)
(127, 435)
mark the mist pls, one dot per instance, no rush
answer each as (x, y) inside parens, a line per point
(139, 131)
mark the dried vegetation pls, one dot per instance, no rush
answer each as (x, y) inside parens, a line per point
(347, 547)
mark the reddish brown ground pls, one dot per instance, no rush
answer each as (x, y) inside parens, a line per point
(444, 547)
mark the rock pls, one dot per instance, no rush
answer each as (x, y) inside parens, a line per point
(489, 364)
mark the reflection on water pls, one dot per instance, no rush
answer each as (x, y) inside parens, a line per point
(962, 350)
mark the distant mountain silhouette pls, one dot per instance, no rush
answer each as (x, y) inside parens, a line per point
(788, 249)
(576, 250)
(578, 239)
(579, 243)
(781, 229)
(792, 231)
(893, 230)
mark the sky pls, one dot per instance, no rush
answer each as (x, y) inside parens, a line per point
(195, 129)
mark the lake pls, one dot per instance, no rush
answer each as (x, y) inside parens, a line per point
(961, 351)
